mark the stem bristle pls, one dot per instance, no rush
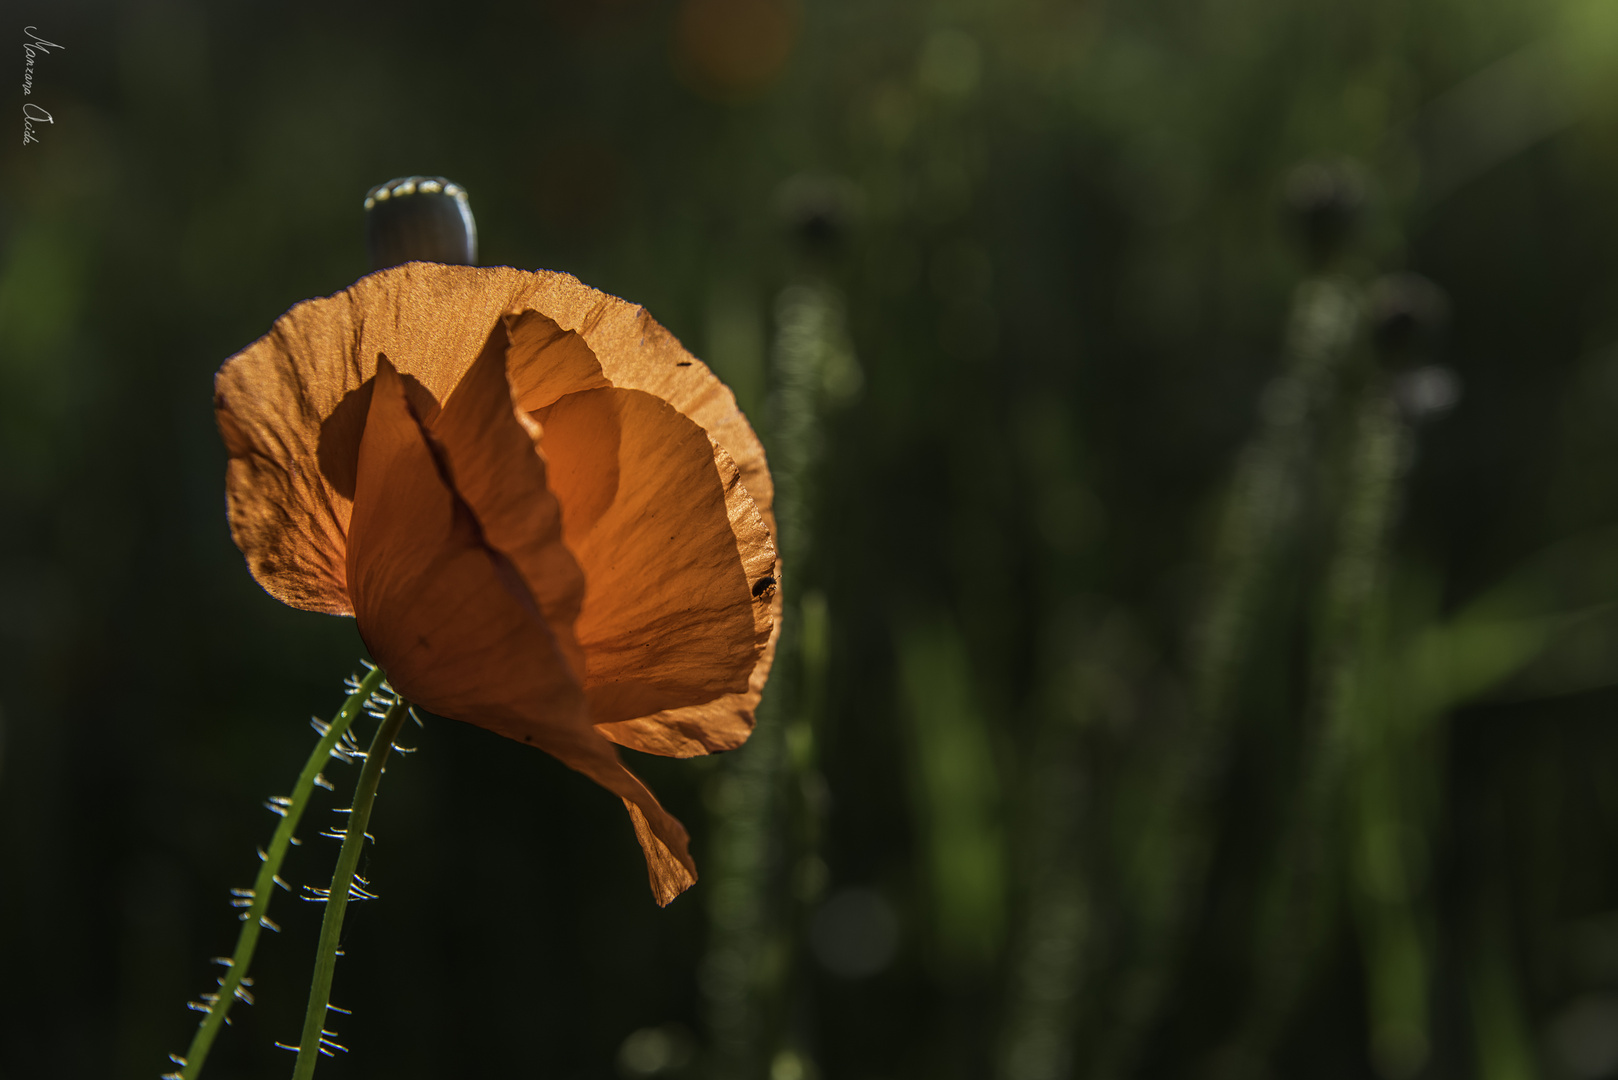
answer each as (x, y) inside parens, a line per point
(316, 1041)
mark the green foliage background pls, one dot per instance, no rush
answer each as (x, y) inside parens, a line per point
(1007, 288)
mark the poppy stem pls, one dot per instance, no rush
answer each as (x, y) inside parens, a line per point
(253, 920)
(316, 1039)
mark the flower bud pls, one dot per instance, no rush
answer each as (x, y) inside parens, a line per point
(419, 218)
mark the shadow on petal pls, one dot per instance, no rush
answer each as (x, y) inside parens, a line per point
(491, 463)
(669, 617)
(448, 617)
(547, 362)
(338, 450)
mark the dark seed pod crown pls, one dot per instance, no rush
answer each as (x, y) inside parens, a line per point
(425, 218)
(1325, 201)
(819, 211)
(1408, 315)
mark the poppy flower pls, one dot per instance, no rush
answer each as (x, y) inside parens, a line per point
(546, 517)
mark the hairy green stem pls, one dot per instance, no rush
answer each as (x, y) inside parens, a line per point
(315, 1036)
(254, 919)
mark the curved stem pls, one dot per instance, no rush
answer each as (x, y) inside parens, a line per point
(254, 919)
(315, 1037)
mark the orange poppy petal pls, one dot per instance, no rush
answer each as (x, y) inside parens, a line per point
(547, 362)
(492, 464)
(673, 615)
(722, 724)
(452, 622)
(279, 510)
(584, 338)
(630, 350)
(725, 722)
(292, 407)
(293, 403)
(292, 396)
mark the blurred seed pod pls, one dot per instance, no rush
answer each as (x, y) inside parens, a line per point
(1408, 316)
(818, 210)
(1325, 202)
(419, 218)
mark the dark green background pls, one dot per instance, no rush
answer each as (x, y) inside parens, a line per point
(1065, 270)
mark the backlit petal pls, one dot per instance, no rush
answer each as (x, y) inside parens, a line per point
(293, 398)
(292, 407)
(492, 464)
(671, 545)
(281, 512)
(452, 621)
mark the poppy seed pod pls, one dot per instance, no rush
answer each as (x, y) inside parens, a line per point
(1325, 201)
(819, 211)
(546, 517)
(425, 218)
(1409, 315)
